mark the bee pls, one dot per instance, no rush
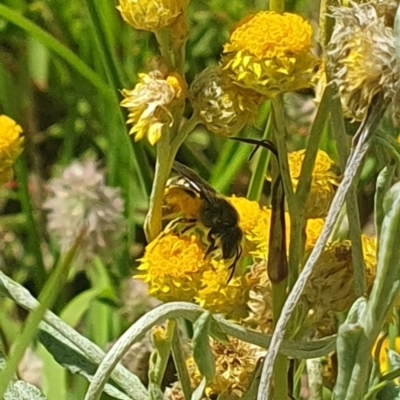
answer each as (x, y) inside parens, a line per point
(194, 203)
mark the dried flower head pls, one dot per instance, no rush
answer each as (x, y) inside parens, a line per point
(151, 15)
(80, 198)
(151, 103)
(331, 286)
(271, 53)
(323, 185)
(222, 106)
(10, 147)
(384, 8)
(235, 363)
(260, 299)
(362, 58)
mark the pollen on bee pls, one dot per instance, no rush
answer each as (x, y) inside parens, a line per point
(180, 201)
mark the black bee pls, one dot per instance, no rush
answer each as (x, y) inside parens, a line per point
(201, 205)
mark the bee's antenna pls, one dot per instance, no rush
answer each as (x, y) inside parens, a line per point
(267, 144)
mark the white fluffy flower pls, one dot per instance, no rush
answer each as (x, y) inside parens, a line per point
(80, 198)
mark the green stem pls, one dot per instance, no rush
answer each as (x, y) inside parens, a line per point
(46, 298)
(39, 273)
(277, 6)
(163, 168)
(258, 177)
(166, 152)
(163, 40)
(353, 215)
(297, 212)
(280, 370)
(279, 130)
(180, 364)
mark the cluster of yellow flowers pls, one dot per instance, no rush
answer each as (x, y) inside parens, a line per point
(267, 54)
(10, 147)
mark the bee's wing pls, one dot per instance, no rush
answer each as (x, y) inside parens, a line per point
(198, 183)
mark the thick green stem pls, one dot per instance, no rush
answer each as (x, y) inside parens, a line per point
(163, 168)
(180, 364)
(280, 370)
(166, 152)
(360, 285)
(277, 5)
(258, 178)
(163, 39)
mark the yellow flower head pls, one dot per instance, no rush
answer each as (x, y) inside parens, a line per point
(258, 237)
(219, 297)
(222, 106)
(331, 286)
(151, 104)
(235, 363)
(362, 58)
(151, 15)
(383, 352)
(270, 53)
(173, 267)
(249, 217)
(323, 185)
(10, 147)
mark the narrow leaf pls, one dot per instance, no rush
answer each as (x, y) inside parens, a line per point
(202, 353)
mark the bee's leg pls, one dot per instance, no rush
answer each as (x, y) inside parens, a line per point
(212, 245)
(190, 223)
(232, 267)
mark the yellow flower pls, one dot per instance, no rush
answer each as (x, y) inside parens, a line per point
(219, 297)
(362, 58)
(173, 267)
(249, 216)
(383, 352)
(151, 104)
(331, 285)
(10, 147)
(259, 235)
(235, 363)
(270, 53)
(151, 15)
(323, 185)
(222, 106)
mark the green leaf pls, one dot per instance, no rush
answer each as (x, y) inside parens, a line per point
(202, 353)
(383, 183)
(77, 307)
(20, 390)
(389, 392)
(394, 359)
(75, 361)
